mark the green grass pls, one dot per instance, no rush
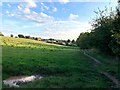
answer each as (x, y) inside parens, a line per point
(61, 66)
(110, 64)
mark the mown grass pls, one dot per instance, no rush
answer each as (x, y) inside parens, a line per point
(61, 66)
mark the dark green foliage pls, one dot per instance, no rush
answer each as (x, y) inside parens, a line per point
(68, 41)
(73, 41)
(35, 38)
(27, 37)
(20, 36)
(115, 40)
(84, 40)
(102, 36)
(105, 34)
(11, 35)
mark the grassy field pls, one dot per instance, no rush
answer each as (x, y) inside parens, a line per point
(61, 66)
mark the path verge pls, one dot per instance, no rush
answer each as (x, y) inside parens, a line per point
(112, 78)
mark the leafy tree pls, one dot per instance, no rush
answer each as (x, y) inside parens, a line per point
(68, 41)
(27, 37)
(102, 36)
(105, 33)
(102, 27)
(1, 34)
(16, 37)
(115, 40)
(11, 35)
(20, 36)
(73, 41)
(83, 41)
(35, 38)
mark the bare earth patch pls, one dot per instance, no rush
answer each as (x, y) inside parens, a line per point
(15, 81)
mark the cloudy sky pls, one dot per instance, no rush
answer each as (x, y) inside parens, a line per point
(60, 19)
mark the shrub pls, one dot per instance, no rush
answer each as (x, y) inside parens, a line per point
(20, 36)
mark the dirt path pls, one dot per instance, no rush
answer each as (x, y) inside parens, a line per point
(97, 61)
(112, 78)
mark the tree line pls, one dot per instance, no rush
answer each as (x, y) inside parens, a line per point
(51, 40)
(105, 32)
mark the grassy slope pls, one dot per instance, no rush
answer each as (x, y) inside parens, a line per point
(62, 67)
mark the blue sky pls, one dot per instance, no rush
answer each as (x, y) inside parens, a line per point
(61, 19)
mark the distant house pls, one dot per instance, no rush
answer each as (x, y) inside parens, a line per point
(44, 40)
(60, 42)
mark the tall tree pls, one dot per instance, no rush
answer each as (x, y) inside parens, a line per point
(11, 35)
(73, 41)
(1, 34)
(68, 41)
(115, 41)
(83, 41)
(105, 33)
(20, 36)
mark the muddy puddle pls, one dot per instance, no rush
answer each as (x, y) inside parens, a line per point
(16, 81)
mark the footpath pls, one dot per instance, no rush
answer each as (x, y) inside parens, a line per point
(112, 78)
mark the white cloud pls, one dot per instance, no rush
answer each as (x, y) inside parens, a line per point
(27, 10)
(8, 5)
(19, 7)
(34, 12)
(30, 3)
(73, 17)
(24, 12)
(44, 7)
(12, 15)
(34, 25)
(54, 9)
(65, 29)
(7, 12)
(21, 10)
(44, 15)
(42, 3)
(64, 1)
(40, 18)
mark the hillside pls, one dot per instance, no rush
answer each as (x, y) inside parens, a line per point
(9, 41)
